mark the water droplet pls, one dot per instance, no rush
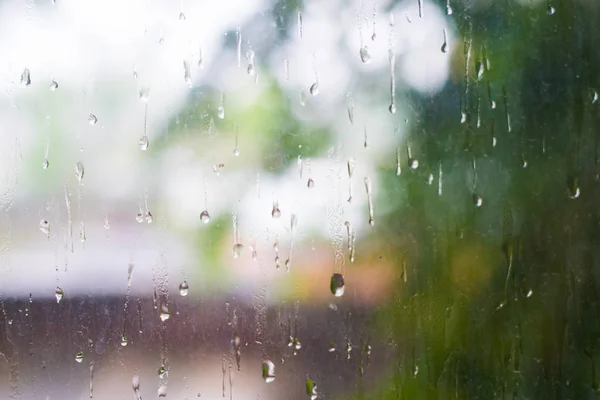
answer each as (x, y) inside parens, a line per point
(337, 286)
(187, 75)
(413, 163)
(529, 293)
(268, 371)
(144, 143)
(144, 94)
(204, 217)
(449, 10)
(314, 89)
(477, 200)
(135, 383)
(26, 77)
(251, 70)
(593, 96)
(184, 288)
(181, 16)
(92, 119)
(276, 212)
(365, 56)
(45, 227)
(310, 184)
(45, 163)
(79, 170)
(237, 250)
(162, 391)
(164, 313)
(331, 347)
(392, 108)
(297, 344)
(162, 372)
(445, 47)
(573, 190)
(124, 341)
(79, 357)
(551, 10)
(221, 112)
(480, 69)
(59, 294)
(311, 389)
(139, 217)
(149, 217)
(53, 85)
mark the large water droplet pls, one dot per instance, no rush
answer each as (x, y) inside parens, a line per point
(164, 313)
(144, 143)
(92, 119)
(162, 391)
(45, 163)
(45, 227)
(413, 163)
(477, 200)
(268, 371)
(26, 77)
(53, 85)
(79, 170)
(365, 56)
(551, 10)
(59, 294)
(237, 250)
(311, 389)
(79, 357)
(337, 285)
(205, 217)
(184, 288)
(314, 89)
(392, 108)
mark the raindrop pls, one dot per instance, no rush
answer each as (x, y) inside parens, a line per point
(413, 163)
(310, 184)
(337, 286)
(144, 143)
(365, 56)
(92, 119)
(162, 372)
(164, 313)
(297, 344)
(79, 357)
(45, 227)
(237, 250)
(59, 294)
(480, 69)
(53, 85)
(251, 70)
(135, 383)
(311, 389)
(445, 45)
(149, 217)
(26, 77)
(162, 391)
(477, 200)
(551, 10)
(276, 212)
(221, 112)
(124, 341)
(392, 108)
(139, 217)
(45, 163)
(187, 75)
(144, 94)
(314, 89)
(350, 105)
(204, 217)
(331, 347)
(449, 10)
(573, 190)
(593, 96)
(302, 98)
(184, 288)
(181, 16)
(268, 371)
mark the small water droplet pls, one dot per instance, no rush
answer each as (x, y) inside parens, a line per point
(331, 347)
(365, 56)
(184, 288)
(311, 389)
(302, 98)
(593, 96)
(551, 10)
(268, 371)
(221, 112)
(53, 85)
(144, 143)
(413, 163)
(314, 89)
(251, 70)
(144, 94)
(204, 217)
(162, 391)
(181, 16)
(337, 286)
(479, 68)
(187, 74)
(449, 10)
(237, 250)
(164, 313)
(162, 372)
(79, 357)
(573, 190)
(275, 212)
(477, 200)
(149, 217)
(297, 344)
(45, 227)
(59, 294)
(139, 217)
(310, 184)
(92, 119)
(26, 77)
(45, 163)
(529, 293)
(124, 341)
(79, 170)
